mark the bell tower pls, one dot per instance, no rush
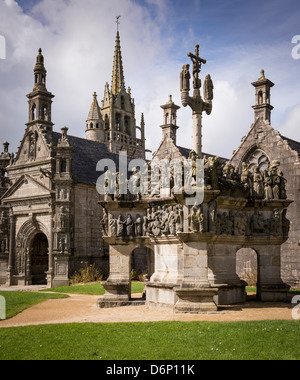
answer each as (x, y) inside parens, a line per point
(40, 100)
(262, 107)
(169, 126)
(115, 117)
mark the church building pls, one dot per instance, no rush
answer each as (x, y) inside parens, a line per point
(50, 216)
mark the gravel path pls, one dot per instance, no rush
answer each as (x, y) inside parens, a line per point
(83, 308)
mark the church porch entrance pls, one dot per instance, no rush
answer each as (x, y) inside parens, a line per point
(39, 259)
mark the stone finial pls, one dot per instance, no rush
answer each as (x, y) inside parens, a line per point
(262, 75)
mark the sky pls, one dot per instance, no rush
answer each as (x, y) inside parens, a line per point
(238, 38)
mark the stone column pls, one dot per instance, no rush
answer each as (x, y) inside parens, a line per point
(222, 274)
(270, 287)
(197, 133)
(195, 295)
(50, 265)
(12, 245)
(118, 285)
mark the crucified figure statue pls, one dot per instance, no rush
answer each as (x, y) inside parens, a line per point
(197, 62)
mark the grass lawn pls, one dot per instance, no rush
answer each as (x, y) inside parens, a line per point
(274, 340)
(16, 302)
(93, 289)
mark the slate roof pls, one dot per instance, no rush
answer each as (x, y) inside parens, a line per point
(186, 152)
(88, 153)
(85, 158)
(295, 145)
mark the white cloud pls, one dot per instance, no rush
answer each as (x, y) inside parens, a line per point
(78, 39)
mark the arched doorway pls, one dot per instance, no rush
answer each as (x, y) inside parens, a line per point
(39, 259)
(247, 269)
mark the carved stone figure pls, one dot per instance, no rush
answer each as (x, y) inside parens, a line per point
(2, 246)
(129, 226)
(185, 77)
(195, 218)
(285, 224)
(246, 177)
(178, 219)
(258, 184)
(138, 226)
(113, 226)
(120, 226)
(275, 223)
(208, 88)
(197, 62)
(257, 223)
(61, 245)
(104, 223)
(212, 214)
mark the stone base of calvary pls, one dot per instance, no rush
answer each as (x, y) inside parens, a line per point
(194, 244)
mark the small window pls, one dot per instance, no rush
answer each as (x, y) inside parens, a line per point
(63, 166)
(33, 112)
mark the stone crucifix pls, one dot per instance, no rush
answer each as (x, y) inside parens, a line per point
(197, 104)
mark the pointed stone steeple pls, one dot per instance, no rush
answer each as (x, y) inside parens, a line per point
(95, 113)
(118, 80)
(94, 122)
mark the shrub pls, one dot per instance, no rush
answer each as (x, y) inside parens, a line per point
(87, 274)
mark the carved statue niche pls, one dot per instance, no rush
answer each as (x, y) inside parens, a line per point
(32, 146)
(3, 222)
(61, 245)
(258, 223)
(212, 216)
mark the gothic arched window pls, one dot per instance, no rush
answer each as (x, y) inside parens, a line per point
(258, 158)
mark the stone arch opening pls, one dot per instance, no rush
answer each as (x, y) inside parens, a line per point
(142, 263)
(39, 249)
(247, 269)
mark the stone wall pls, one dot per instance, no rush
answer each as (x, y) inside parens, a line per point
(262, 136)
(88, 243)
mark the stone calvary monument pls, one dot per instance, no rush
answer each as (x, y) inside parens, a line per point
(194, 244)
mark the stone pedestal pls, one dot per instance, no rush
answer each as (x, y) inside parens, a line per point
(61, 271)
(273, 293)
(196, 300)
(117, 293)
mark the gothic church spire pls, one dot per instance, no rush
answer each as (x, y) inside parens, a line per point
(118, 80)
